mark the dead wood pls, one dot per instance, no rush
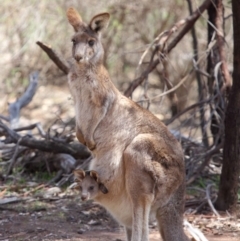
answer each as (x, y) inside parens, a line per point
(193, 106)
(14, 158)
(210, 203)
(69, 177)
(55, 57)
(25, 99)
(11, 200)
(207, 158)
(76, 150)
(31, 127)
(195, 232)
(4, 117)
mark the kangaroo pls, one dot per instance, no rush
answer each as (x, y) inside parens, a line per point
(89, 184)
(136, 157)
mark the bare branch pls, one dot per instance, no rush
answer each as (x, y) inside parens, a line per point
(25, 99)
(188, 109)
(31, 127)
(213, 150)
(168, 91)
(4, 118)
(55, 57)
(195, 232)
(14, 157)
(210, 201)
(190, 21)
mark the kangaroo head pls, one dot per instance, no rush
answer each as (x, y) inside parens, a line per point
(89, 184)
(87, 47)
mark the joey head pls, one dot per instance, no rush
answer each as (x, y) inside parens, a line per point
(89, 184)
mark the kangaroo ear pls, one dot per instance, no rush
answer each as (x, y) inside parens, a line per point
(99, 22)
(74, 19)
(79, 174)
(103, 189)
(94, 175)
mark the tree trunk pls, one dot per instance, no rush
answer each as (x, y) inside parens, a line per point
(228, 187)
(215, 81)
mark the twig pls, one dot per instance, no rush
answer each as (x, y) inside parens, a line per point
(55, 57)
(194, 202)
(210, 201)
(200, 71)
(10, 200)
(25, 99)
(34, 189)
(168, 91)
(67, 178)
(213, 150)
(195, 232)
(190, 21)
(4, 118)
(56, 178)
(30, 127)
(200, 207)
(14, 158)
(188, 109)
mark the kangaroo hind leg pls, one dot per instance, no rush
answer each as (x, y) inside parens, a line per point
(140, 190)
(170, 218)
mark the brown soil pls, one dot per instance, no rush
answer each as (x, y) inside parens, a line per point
(65, 217)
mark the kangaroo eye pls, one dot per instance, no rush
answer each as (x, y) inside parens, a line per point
(91, 42)
(74, 41)
(91, 188)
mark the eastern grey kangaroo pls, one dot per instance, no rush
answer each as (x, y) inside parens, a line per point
(136, 157)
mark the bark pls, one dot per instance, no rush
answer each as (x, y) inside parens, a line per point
(228, 187)
(215, 80)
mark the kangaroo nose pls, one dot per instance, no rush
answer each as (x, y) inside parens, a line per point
(78, 57)
(84, 197)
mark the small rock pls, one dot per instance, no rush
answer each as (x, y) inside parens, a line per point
(80, 231)
(50, 192)
(32, 184)
(86, 213)
(94, 222)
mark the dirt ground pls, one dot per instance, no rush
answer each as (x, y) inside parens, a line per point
(54, 214)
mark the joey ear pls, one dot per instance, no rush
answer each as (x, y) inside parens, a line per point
(99, 22)
(94, 175)
(74, 19)
(79, 174)
(103, 189)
